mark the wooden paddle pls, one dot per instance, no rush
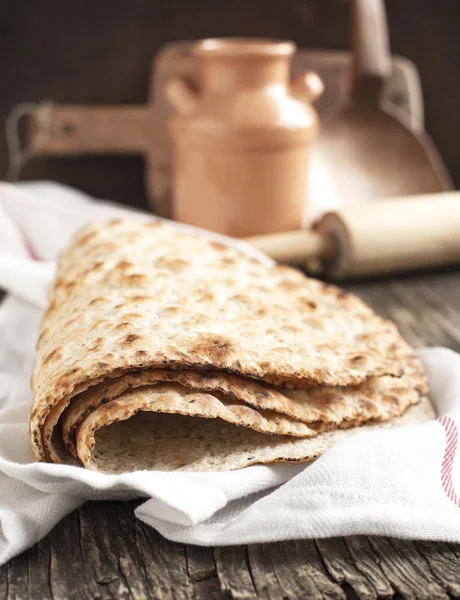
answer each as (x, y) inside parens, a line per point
(369, 149)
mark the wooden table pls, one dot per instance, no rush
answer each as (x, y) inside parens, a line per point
(102, 551)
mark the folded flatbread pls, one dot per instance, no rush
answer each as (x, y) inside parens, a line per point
(153, 338)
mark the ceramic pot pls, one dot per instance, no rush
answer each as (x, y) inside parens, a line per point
(241, 140)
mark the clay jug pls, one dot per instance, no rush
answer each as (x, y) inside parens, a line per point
(241, 140)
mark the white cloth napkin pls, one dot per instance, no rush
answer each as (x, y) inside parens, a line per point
(394, 482)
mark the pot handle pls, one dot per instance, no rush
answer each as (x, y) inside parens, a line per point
(371, 66)
(181, 95)
(307, 87)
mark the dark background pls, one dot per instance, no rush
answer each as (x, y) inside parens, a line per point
(100, 52)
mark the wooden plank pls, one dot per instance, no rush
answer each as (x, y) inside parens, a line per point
(444, 308)
(272, 577)
(201, 569)
(97, 549)
(437, 329)
(164, 563)
(406, 302)
(200, 562)
(407, 570)
(443, 563)
(308, 564)
(69, 575)
(234, 572)
(290, 570)
(366, 562)
(130, 559)
(208, 589)
(17, 578)
(38, 570)
(344, 569)
(4, 582)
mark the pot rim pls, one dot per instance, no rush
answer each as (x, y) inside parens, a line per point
(234, 46)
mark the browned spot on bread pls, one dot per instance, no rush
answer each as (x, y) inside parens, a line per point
(84, 239)
(283, 269)
(115, 222)
(70, 285)
(421, 389)
(243, 298)
(206, 296)
(65, 379)
(173, 264)
(139, 298)
(214, 346)
(55, 354)
(364, 336)
(135, 278)
(153, 224)
(103, 247)
(357, 360)
(121, 326)
(99, 323)
(218, 246)
(141, 353)
(51, 307)
(97, 342)
(130, 338)
(308, 303)
(133, 315)
(227, 260)
(288, 286)
(41, 336)
(169, 311)
(123, 265)
(98, 300)
(292, 328)
(69, 323)
(396, 400)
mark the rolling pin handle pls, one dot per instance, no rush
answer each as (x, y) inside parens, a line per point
(294, 247)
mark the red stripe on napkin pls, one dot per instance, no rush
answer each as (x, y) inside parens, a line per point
(30, 249)
(451, 431)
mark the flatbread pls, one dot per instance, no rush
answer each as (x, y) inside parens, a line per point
(276, 412)
(129, 296)
(210, 396)
(167, 442)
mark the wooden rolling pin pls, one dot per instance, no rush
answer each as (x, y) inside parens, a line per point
(373, 238)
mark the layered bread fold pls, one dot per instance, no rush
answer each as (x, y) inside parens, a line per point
(162, 350)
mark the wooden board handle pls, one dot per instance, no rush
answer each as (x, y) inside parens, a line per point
(70, 130)
(371, 53)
